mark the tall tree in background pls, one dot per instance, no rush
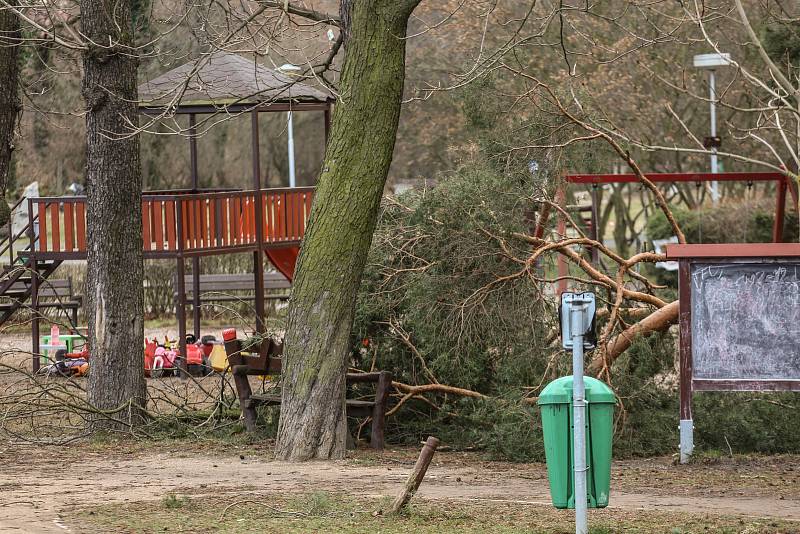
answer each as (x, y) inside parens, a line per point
(10, 106)
(114, 185)
(313, 420)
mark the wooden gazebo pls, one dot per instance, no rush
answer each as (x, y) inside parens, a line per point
(193, 222)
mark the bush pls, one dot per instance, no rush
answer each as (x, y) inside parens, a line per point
(739, 223)
(421, 313)
(422, 287)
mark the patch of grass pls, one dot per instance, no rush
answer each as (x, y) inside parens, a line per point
(318, 503)
(330, 512)
(173, 502)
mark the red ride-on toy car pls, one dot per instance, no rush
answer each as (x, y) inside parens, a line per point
(198, 354)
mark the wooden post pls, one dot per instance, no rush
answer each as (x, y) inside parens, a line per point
(196, 295)
(35, 308)
(685, 354)
(541, 220)
(561, 229)
(196, 259)
(327, 123)
(181, 314)
(595, 221)
(193, 152)
(379, 411)
(34, 287)
(180, 286)
(258, 254)
(416, 476)
(11, 237)
(780, 210)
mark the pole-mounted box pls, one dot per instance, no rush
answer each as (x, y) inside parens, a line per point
(586, 302)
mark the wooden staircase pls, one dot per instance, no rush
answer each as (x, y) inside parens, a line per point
(16, 277)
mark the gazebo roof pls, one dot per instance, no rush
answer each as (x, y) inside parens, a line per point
(226, 79)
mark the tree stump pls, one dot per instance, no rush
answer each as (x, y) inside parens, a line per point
(416, 476)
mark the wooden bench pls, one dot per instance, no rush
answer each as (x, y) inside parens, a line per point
(52, 294)
(235, 287)
(265, 359)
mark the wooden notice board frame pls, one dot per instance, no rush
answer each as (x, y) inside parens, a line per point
(687, 255)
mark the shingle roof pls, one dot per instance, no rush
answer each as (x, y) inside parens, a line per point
(224, 79)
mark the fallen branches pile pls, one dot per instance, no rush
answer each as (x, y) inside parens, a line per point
(53, 409)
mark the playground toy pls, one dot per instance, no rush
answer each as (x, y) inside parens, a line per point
(160, 359)
(165, 359)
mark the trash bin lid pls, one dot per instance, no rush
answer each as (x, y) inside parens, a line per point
(559, 391)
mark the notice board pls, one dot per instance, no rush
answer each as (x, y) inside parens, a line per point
(745, 321)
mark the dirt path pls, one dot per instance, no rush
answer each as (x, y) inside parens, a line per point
(33, 494)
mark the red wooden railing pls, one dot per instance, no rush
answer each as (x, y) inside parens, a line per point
(194, 223)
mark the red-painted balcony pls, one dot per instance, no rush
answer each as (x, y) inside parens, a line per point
(181, 224)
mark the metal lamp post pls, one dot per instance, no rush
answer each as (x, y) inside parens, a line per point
(711, 62)
(577, 317)
(289, 68)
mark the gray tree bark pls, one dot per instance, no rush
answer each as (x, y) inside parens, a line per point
(114, 185)
(39, 65)
(313, 420)
(10, 105)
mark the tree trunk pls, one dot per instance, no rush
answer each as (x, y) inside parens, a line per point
(10, 105)
(40, 67)
(339, 234)
(114, 217)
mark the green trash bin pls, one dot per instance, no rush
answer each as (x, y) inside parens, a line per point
(557, 422)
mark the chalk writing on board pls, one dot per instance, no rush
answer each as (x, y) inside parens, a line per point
(746, 321)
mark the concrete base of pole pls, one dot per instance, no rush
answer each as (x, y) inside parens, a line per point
(687, 439)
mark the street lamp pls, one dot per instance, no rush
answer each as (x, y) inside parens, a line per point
(289, 68)
(711, 62)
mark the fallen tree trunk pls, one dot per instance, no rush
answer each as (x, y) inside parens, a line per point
(657, 321)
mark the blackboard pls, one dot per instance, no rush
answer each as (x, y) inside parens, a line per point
(746, 321)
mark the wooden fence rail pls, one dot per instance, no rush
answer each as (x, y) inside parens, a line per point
(190, 224)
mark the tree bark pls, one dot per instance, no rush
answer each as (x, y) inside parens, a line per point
(339, 233)
(10, 105)
(40, 65)
(114, 217)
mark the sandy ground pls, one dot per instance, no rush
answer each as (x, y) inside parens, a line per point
(37, 484)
